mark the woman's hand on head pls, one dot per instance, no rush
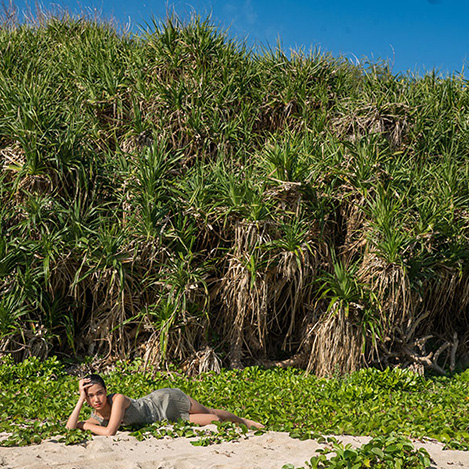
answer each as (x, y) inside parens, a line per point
(83, 385)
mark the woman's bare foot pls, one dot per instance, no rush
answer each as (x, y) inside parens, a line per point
(252, 423)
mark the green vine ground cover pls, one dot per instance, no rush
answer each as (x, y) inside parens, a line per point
(37, 396)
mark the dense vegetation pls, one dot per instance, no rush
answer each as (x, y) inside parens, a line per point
(177, 197)
(36, 397)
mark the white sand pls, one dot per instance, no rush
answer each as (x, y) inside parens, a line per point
(270, 450)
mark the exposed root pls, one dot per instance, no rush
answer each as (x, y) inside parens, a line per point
(356, 123)
(415, 356)
(244, 293)
(27, 343)
(201, 362)
(337, 345)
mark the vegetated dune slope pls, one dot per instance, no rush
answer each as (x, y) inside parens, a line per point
(178, 197)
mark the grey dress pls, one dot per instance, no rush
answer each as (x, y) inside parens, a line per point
(162, 404)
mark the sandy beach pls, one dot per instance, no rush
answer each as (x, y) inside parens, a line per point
(268, 451)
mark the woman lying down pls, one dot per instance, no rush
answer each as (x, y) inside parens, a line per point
(110, 411)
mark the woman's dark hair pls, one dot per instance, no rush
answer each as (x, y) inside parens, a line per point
(96, 379)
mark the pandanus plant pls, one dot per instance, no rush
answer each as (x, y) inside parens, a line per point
(177, 196)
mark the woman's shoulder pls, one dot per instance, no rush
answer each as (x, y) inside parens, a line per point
(117, 398)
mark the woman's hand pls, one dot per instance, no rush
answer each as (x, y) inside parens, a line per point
(83, 385)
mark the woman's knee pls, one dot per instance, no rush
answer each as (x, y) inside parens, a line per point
(198, 408)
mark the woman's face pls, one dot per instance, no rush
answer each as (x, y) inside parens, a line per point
(96, 396)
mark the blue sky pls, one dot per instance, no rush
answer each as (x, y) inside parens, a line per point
(413, 35)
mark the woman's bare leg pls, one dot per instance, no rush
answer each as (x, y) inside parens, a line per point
(202, 415)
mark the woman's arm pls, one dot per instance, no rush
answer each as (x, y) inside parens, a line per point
(73, 419)
(74, 416)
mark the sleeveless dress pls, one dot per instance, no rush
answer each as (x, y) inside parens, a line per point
(162, 404)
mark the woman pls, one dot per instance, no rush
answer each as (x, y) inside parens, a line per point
(113, 410)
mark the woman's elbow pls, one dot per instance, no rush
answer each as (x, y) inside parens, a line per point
(110, 432)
